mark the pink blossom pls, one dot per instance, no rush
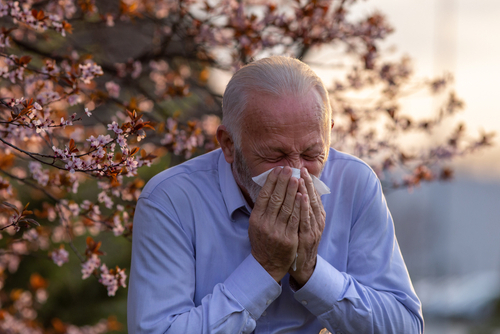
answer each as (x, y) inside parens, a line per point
(117, 226)
(59, 256)
(104, 198)
(113, 89)
(40, 175)
(115, 128)
(100, 153)
(50, 67)
(73, 163)
(141, 134)
(4, 70)
(65, 123)
(74, 99)
(110, 21)
(112, 280)
(121, 141)
(4, 9)
(93, 141)
(103, 140)
(74, 208)
(90, 265)
(121, 69)
(30, 235)
(136, 69)
(89, 71)
(46, 97)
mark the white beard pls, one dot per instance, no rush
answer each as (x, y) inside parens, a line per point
(243, 176)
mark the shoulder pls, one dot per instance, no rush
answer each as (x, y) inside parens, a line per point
(350, 176)
(346, 165)
(199, 172)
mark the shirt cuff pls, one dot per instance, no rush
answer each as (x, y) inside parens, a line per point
(323, 289)
(253, 287)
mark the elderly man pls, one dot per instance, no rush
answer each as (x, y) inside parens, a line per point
(214, 252)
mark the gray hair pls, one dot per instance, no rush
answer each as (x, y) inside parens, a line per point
(277, 76)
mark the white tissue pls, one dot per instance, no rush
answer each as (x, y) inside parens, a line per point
(318, 184)
(321, 188)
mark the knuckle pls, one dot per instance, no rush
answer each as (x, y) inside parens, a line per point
(275, 199)
(275, 237)
(287, 243)
(264, 193)
(285, 210)
(321, 225)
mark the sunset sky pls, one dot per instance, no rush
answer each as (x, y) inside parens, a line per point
(460, 36)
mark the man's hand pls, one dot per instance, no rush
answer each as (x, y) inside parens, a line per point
(312, 223)
(274, 223)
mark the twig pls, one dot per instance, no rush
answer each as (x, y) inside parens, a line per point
(70, 242)
(30, 184)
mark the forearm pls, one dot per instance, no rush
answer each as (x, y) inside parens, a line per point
(233, 307)
(219, 312)
(342, 304)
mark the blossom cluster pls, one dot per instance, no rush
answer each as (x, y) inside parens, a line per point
(60, 256)
(37, 20)
(112, 279)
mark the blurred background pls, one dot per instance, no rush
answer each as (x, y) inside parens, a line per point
(449, 233)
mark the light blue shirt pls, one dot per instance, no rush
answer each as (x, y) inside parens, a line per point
(192, 270)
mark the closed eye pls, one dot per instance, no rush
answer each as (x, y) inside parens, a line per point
(310, 157)
(277, 159)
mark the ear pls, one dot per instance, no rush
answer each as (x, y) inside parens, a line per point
(226, 143)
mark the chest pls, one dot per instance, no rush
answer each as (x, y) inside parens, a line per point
(222, 243)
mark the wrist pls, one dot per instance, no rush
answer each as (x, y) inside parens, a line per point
(294, 285)
(301, 279)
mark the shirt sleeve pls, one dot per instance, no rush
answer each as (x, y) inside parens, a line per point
(162, 283)
(375, 295)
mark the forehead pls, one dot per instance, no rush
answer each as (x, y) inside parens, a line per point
(288, 122)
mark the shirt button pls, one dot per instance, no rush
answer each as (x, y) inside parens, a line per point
(264, 313)
(304, 302)
(269, 302)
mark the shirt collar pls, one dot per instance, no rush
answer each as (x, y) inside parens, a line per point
(233, 197)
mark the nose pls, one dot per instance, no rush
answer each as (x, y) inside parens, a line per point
(295, 162)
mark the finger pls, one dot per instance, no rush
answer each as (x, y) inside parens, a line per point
(293, 223)
(278, 195)
(305, 219)
(288, 204)
(267, 190)
(302, 186)
(311, 191)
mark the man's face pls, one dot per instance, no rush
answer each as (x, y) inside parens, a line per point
(286, 131)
